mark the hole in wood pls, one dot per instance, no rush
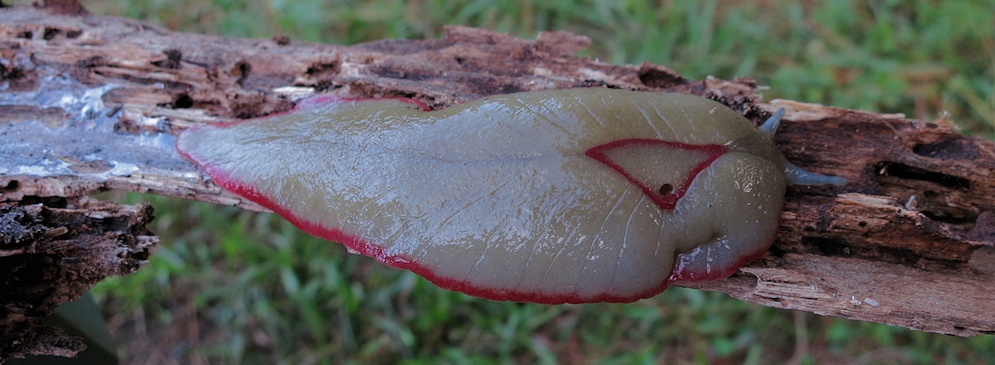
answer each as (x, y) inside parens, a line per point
(172, 61)
(182, 101)
(12, 185)
(324, 68)
(828, 246)
(903, 171)
(951, 217)
(954, 149)
(657, 78)
(50, 33)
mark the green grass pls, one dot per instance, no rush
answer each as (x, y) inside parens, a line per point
(227, 286)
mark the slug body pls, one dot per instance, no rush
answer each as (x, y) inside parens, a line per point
(580, 195)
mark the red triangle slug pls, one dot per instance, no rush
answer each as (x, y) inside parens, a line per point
(562, 196)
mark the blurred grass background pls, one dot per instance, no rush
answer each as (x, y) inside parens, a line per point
(227, 286)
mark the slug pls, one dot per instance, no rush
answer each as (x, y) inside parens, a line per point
(560, 196)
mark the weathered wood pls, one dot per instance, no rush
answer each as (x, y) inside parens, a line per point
(907, 242)
(52, 253)
(93, 103)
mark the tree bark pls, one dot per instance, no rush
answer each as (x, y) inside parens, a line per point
(91, 103)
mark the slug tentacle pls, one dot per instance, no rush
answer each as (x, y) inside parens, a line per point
(798, 176)
(769, 126)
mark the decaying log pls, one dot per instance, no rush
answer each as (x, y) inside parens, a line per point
(92, 103)
(53, 252)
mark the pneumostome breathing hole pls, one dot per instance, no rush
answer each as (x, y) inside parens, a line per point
(666, 189)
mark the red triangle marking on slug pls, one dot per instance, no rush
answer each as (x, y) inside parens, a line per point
(701, 156)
